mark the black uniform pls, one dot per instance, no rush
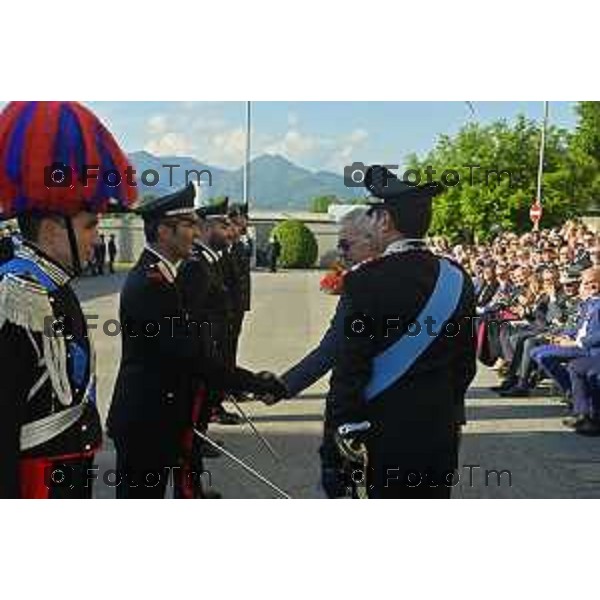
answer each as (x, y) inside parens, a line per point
(242, 252)
(112, 254)
(232, 276)
(241, 255)
(415, 419)
(49, 424)
(207, 299)
(158, 376)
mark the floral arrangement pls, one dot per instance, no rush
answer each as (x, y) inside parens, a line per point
(332, 281)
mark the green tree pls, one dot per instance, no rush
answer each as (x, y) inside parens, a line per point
(496, 169)
(587, 133)
(585, 153)
(320, 204)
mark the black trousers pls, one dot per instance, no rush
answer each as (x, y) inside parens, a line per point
(335, 480)
(413, 472)
(236, 330)
(140, 474)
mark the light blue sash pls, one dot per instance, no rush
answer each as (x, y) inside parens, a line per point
(395, 361)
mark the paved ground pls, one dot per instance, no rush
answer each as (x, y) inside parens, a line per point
(523, 436)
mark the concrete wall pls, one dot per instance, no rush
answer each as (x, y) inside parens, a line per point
(129, 235)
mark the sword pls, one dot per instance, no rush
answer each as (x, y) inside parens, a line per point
(240, 462)
(261, 438)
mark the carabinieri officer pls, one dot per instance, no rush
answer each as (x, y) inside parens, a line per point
(400, 373)
(164, 357)
(49, 425)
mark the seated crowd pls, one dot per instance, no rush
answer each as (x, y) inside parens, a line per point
(538, 305)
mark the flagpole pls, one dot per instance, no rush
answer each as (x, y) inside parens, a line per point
(541, 161)
(247, 156)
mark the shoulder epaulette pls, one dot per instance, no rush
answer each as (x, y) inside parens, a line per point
(24, 303)
(208, 256)
(28, 305)
(159, 273)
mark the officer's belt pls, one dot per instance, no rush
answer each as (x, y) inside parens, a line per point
(395, 361)
(42, 430)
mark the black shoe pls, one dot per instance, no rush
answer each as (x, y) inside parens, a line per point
(226, 418)
(505, 385)
(517, 391)
(588, 427)
(534, 380)
(241, 397)
(573, 420)
(211, 495)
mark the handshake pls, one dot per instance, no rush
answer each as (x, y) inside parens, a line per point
(269, 388)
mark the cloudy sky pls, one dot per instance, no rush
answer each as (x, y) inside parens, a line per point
(316, 135)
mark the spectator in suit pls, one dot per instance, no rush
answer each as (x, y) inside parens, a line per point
(112, 253)
(582, 342)
(489, 286)
(558, 299)
(100, 255)
(274, 253)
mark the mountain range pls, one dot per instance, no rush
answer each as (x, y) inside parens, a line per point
(275, 182)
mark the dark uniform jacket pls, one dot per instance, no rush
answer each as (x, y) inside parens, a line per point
(48, 414)
(414, 419)
(241, 252)
(232, 274)
(160, 369)
(206, 296)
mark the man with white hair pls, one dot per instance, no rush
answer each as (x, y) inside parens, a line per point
(357, 244)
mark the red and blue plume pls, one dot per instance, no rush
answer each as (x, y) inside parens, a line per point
(57, 157)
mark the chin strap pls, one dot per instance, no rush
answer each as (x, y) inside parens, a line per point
(75, 259)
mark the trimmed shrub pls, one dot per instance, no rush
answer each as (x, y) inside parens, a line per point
(299, 249)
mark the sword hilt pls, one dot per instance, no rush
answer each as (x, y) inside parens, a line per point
(351, 438)
(353, 429)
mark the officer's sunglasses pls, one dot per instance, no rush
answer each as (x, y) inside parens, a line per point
(344, 245)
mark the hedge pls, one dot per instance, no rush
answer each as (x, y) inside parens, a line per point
(299, 249)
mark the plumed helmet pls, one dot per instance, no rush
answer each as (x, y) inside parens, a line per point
(57, 157)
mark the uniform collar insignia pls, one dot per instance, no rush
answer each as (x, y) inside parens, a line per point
(167, 268)
(208, 250)
(405, 245)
